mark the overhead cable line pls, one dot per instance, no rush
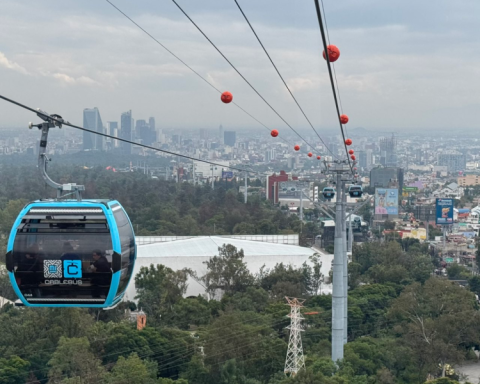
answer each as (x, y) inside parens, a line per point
(281, 77)
(240, 74)
(123, 140)
(327, 59)
(333, 64)
(186, 65)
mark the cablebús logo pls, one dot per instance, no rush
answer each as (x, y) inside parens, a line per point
(57, 269)
(52, 268)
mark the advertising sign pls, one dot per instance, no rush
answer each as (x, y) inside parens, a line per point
(386, 201)
(227, 174)
(410, 189)
(444, 211)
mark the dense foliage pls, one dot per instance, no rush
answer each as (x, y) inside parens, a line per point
(404, 324)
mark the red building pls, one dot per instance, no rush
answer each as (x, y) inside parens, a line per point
(273, 183)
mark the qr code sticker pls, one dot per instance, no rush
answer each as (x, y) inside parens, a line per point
(52, 268)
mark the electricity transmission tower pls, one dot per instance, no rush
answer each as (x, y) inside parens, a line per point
(295, 360)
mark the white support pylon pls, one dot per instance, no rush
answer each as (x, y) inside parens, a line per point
(295, 360)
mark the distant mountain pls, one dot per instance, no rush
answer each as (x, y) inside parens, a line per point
(359, 131)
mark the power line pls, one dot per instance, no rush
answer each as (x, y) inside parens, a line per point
(188, 66)
(124, 140)
(239, 73)
(281, 77)
(327, 57)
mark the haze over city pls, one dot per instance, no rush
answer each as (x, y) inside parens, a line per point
(405, 64)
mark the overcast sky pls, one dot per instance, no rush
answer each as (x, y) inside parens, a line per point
(405, 64)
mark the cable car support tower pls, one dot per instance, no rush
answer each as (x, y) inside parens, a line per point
(342, 174)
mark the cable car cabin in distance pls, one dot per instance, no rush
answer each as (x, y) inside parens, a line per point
(71, 253)
(355, 191)
(328, 193)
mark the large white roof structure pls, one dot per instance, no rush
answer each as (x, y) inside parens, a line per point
(194, 252)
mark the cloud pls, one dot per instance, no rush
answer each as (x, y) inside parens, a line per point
(4, 62)
(68, 80)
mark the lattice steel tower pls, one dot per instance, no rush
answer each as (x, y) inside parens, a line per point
(295, 360)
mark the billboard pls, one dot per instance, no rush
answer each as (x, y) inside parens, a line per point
(444, 211)
(227, 174)
(386, 201)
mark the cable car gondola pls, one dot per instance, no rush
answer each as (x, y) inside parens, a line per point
(355, 191)
(70, 252)
(328, 193)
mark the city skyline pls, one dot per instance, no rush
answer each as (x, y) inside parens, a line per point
(393, 88)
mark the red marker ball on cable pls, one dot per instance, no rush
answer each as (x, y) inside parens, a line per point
(310, 154)
(333, 53)
(351, 151)
(274, 133)
(348, 141)
(344, 119)
(226, 97)
(297, 147)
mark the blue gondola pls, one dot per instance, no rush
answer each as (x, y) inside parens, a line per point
(355, 191)
(69, 253)
(52, 253)
(328, 193)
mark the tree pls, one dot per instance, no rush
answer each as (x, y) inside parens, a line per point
(227, 271)
(314, 274)
(249, 335)
(428, 318)
(73, 359)
(13, 370)
(474, 284)
(457, 272)
(132, 370)
(6, 290)
(158, 289)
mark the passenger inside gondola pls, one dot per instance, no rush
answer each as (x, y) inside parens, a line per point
(103, 273)
(69, 253)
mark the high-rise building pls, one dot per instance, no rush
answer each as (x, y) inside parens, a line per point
(126, 131)
(385, 177)
(93, 122)
(453, 160)
(156, 132)
(111, 127)
(388, 151)
(112, 130)
(365, 159)
(229, 138)
(220, 134)
(270, 155)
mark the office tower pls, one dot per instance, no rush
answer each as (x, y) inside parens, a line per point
(126, 131)
(156, 132)
(453, 160)
(93, 122)
(365, 159)
(383, 177)
(220, 134)
(229, 138)
(270, 155)
(388, 151)
(111, 127)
